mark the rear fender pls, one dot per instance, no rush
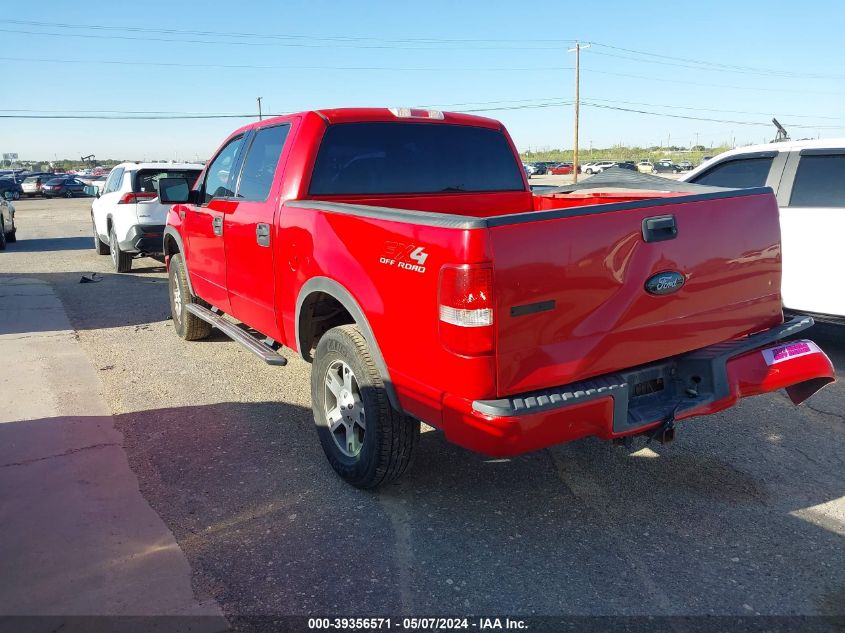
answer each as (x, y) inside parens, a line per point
(345, 298)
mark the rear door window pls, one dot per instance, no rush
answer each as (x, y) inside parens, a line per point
(742, 173)
(819, 182)
(113, 183)
(413, 158)
(260, 163)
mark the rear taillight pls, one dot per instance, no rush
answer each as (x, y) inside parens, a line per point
(466, 308)
(137, 196)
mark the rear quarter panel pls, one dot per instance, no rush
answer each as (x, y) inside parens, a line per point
(401, 305)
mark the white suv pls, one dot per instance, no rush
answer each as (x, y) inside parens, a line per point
(597, 168)
(127, 217)
(808, 178)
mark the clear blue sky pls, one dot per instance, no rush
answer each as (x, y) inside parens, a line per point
(512, 53)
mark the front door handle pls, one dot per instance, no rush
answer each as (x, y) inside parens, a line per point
(217, 225)
(262, 234)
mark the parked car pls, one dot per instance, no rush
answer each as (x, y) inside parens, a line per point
(529, 169)
(808, 178)
(8, 230)
(645, 167)
(63, 187)
(626, 164)
(665, 167)
(12, 184)
(597, 168)
(561, 169)
(541, 168)
(685, 165)
(304, 228)
(127, 216)
(31, 186)
(95, 181)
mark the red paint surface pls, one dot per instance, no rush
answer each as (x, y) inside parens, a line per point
(592, 266)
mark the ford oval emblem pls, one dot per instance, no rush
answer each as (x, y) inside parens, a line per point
(664, 283)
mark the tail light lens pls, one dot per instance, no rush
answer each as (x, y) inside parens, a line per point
(466, 308)
(137, 196)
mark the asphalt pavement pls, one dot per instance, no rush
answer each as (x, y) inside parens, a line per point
(743, 514)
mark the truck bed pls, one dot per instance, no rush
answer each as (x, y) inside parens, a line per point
(570, 269)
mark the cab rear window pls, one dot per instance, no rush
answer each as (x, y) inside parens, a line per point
(413, 158)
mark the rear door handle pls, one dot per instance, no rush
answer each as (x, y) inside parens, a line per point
(660, 228)
(217, 225)
(262, 234)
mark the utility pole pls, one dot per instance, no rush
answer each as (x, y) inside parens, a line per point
(259, 107)
(577, 50)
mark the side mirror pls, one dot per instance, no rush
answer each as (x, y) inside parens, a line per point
(174, 190)
(91, 190)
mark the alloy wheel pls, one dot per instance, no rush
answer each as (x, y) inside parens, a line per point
(344, 409)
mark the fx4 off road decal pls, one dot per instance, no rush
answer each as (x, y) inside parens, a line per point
(405, 256)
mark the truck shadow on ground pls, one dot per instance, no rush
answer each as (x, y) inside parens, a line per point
(105, 300)
(47, 244)
(269, 529)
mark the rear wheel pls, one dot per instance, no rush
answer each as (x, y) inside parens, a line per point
(99, 246)
(188, 326)
(121, 261)
(367, 442)
(13, 236)
(2, 235)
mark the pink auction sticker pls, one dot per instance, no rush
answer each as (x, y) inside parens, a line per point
(774, 355)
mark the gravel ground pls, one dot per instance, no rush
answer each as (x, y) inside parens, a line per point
(743, 514)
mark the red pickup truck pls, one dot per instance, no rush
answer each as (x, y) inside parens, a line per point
(403, 253)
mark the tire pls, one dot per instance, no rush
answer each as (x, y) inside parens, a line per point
(68, 194)
(2, 235)
(378, 441)
(121, 261)
(12, 237)
(188, 326)
(99, 246)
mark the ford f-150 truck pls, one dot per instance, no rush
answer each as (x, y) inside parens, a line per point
(402, 252)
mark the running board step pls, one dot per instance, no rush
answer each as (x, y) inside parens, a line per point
(268, 355)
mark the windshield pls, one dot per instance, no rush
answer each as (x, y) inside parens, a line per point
(409, 158)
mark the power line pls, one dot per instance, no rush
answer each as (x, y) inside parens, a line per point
(696, 118)
(701, 62)
(181, 40)
(700, 109)
(297, 40)
(235, 34)
(549, 104)
(281, 67)
(777, 90)
(716, 68)
(106, 117)
(544, 69)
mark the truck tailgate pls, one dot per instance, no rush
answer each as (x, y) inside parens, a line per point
(571, 301)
